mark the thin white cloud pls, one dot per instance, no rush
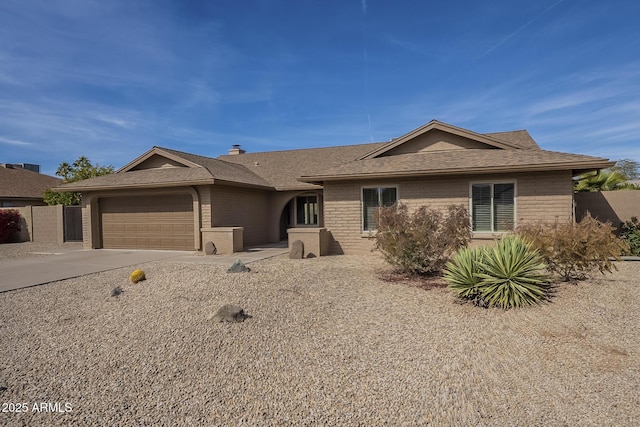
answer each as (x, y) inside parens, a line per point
(117, 121)
(11, 141)
(522, 27)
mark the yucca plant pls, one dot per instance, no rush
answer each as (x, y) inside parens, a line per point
(461, 273)
(512, 274)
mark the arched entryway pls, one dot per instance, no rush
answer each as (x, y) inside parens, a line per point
(302, 210)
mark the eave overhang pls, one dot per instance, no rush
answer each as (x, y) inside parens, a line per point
(575, 168)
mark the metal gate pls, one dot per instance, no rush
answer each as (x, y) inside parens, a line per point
(72, 223)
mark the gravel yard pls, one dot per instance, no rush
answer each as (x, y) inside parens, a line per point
(328, 343)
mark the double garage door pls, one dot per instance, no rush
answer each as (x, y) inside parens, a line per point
(147, 222)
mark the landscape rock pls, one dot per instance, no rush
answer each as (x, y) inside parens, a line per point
(115, 291)
(137, 276)
(210, 248)
(238, 267)
(230, 313)
(297, 250)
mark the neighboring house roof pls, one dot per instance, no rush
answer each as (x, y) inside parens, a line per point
(433, 149)
(21, 183)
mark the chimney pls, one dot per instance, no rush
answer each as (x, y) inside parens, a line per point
(235, 150)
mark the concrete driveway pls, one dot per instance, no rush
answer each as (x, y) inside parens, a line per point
(66, 264)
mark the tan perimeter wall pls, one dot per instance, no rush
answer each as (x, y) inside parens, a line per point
(539, 196)
(609, 206)
(241, 207)
(48, 224)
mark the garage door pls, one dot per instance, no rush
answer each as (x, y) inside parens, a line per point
(147, 222)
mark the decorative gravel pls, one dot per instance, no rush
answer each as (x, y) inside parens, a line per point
(327, 343)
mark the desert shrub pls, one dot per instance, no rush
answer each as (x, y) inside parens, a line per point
(509, 274)
(461, 273)
(9, 225)
(575, 250)
(512, 274)
(630, 232)
(421, 242)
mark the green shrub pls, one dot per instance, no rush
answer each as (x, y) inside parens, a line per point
(575, 250)
(509, 274)
(9, 225)
(422, 242)
(461, 273)
(512, 274)
(630, 232)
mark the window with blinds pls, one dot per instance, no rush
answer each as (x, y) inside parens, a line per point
(374, 198)
(492, 207)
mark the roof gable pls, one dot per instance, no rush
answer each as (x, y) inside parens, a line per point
(438, 136)
(157, 158)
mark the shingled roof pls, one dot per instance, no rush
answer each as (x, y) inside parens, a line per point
(462, 162)
(282, 168)
(21, 183)
(302, 169)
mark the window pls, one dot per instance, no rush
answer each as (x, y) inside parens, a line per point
(492, 207)
(307, 210)
(374, 198)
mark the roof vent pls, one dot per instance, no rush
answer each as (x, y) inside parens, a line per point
(235, 150)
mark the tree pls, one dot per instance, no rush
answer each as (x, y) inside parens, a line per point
(604, 180)
(630, 169)
(610, 179)
(79, 170)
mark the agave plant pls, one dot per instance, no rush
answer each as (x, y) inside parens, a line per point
(512, 274)
(461, 273)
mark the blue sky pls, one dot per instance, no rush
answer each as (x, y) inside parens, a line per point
(111, 79)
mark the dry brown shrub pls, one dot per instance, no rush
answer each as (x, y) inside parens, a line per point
(422, 242)
(575, 250)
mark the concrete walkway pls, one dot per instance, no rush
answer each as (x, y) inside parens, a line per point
(16, 274)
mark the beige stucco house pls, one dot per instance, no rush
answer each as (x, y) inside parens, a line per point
(167, 199)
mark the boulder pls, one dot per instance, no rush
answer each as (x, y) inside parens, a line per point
(210, 248)
(229, 313)
(238, 267)
(297, 250)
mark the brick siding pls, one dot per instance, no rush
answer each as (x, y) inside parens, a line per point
(539, 196)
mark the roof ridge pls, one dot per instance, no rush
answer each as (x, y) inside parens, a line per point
(506, 131)
(183, 152)
(304, 149)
